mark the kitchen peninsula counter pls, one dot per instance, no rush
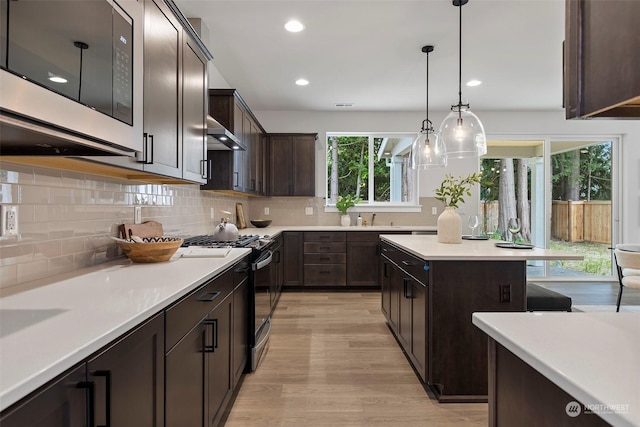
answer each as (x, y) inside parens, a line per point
(541, 362)
(48, 326)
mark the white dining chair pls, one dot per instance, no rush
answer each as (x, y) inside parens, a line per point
(627, 257)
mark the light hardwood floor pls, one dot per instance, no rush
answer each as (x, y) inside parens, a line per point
(332, 361)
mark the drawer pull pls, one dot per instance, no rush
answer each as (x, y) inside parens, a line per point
(208, 296)
(325, 259)
(324, 272)
(409, 263)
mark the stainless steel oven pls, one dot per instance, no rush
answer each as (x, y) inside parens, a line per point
(261, 272)
(261, 279)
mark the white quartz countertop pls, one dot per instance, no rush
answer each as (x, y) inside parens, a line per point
(274, 230)
(428, 248)
(594, 357)
(49, 326)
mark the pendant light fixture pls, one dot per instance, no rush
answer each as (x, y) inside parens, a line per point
(461, 131)
(427, 151)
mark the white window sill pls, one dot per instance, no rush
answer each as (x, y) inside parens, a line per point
(378, 208)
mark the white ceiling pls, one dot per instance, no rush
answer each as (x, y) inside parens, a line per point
(368, 52)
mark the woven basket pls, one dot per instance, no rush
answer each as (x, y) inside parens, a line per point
(154, 249)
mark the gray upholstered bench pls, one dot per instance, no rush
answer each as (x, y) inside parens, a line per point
(543, 299)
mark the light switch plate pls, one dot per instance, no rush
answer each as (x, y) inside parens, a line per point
(266, 211)
(308, 210)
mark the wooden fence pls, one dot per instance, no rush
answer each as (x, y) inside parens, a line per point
(581, 221)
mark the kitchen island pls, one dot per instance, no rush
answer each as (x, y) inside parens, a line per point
(430, 291)
(563, 369)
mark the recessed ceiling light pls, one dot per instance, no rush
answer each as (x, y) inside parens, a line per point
(302, 82)
(345, 104)
(474, 83)
(294, 26)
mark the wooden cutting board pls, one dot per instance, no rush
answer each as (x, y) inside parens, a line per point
(146, 229)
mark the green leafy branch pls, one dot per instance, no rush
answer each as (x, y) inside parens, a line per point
(452, 190)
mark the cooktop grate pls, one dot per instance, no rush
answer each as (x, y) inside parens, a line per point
(208, 240)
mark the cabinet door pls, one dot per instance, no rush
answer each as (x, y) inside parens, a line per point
(362, 264)
(601, 60)
(404, 311)
(280, 166)
(238, 156)
(395, 293)
(385, 285)
(218, 360)
(194, 87)
(184, 384)
(240, 330)
(60, 404)
(419, 331)
(162, 91)
(293, 258)
(303, 166)
(129, 378)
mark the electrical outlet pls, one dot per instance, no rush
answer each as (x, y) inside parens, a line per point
(308, 210)
(137, 215)
(434, 211)
(9, 220)
(266, 211)
(213, 213)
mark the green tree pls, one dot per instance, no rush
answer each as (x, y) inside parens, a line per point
(352, 168)
(595, 172)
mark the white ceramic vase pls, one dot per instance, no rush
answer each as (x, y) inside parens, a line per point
(449, 226)
(345, 220)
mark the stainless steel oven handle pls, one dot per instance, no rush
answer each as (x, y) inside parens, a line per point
(266, 336)
(261, 263)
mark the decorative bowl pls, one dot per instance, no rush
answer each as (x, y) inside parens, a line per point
(153, 249)
(260, 223)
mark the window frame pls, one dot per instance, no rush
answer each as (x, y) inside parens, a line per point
(376, 206)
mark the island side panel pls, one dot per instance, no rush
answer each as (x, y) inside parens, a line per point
(521, 394)
(457, 349)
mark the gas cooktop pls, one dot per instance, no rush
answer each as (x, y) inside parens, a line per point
(208, 240)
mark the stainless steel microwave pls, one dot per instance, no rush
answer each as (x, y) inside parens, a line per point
(76, 66)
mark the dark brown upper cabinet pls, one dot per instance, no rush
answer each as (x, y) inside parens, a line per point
(292, 164)
(601, 61)
(238, 171)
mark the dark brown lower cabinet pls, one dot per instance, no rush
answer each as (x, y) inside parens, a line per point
(129, 378)
(205, 365)
(218, 361)
(293, 258)
(184, 390)
(362, 258)
(123, 385)
(240, 330)
(62, 403)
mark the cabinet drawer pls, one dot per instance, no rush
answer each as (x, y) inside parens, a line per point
(324, 247)
(325, 236)
(413, 265)
(363, 236)
(339, 258)
(189, 311)
(407, 262)
(325, 275)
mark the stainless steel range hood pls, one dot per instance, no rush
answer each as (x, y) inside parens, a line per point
(219, 138)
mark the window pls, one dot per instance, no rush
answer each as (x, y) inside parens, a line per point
(373, 167)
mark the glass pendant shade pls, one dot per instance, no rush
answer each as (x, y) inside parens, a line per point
(463, 134)
(427, 151)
